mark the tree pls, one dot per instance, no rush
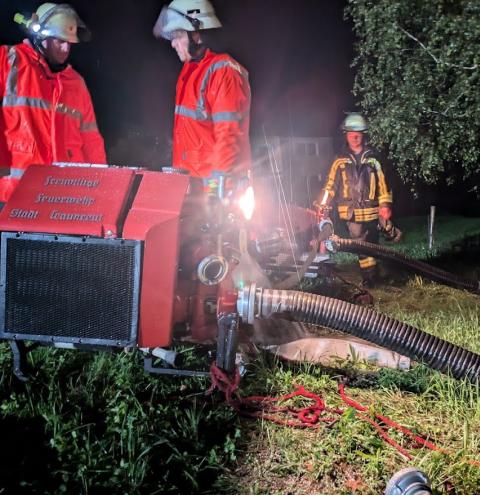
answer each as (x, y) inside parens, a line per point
(417, 79)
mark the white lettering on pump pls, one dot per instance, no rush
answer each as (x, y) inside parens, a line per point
(71, 200)
(77, 217)
(70, 181)
(25, 214)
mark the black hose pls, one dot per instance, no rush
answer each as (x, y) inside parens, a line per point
(431, 272)
(368, 325)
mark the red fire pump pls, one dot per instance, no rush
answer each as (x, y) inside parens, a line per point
(106, 257)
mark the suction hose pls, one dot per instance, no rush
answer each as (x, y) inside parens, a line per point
(362, 322)
(431, 272)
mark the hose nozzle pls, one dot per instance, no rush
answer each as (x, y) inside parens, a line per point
(409, 481)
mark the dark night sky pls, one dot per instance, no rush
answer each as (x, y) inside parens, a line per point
(297, 53)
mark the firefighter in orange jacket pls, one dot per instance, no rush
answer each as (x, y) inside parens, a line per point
(211, 125)
(46, 112)
(364, 201)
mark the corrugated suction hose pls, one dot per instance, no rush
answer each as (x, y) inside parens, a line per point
(364, 323)
(418, 267)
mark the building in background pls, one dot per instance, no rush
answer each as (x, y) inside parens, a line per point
(296, 164)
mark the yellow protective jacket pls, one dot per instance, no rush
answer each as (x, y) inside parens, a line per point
(358, 184)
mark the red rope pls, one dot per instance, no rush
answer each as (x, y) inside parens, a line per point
(226, 385)
(313, 415)
(303, 417)
(387, 421)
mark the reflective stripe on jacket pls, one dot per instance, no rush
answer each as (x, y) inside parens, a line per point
(45, 117)
(359, 187)
(212, 117)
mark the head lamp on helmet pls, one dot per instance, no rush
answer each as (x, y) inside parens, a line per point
(53, 20)
(185, 15)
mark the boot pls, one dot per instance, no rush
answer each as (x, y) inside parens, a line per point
(369, 278)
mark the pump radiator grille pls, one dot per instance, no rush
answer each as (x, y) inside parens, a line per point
(65, 289)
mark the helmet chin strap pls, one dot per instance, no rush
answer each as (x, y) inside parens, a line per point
(56, 67)
(196, 50)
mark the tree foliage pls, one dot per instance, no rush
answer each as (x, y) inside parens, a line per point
(417, 79)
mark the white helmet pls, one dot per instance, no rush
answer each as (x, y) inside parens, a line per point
(354, 122)
(53, 20)
(186, 15)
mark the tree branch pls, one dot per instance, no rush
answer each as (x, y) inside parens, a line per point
(436, 59)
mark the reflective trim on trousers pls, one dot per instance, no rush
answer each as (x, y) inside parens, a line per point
(367, 262)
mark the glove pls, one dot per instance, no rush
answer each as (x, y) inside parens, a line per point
(385, 213)
(389, 231)
(394, 234)
(224, 186)
(215, 184)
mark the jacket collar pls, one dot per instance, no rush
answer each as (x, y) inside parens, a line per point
(346, 151)
(206, 57)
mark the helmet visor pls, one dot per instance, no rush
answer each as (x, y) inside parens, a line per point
(169, 21)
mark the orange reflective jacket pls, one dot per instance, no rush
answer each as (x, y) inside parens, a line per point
(45, 117)
(212, 117)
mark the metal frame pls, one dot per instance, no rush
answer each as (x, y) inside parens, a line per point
(149, 367)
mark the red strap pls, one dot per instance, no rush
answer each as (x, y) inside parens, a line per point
(266, 408)
(222, 382)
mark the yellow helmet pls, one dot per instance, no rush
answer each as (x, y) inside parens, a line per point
(186, 15)
(354, 122)
(53, 20)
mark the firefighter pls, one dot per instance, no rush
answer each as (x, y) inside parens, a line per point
(357, 182)
(211, 123)
(46, 112)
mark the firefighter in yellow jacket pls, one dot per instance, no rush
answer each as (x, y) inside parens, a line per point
(357, 183)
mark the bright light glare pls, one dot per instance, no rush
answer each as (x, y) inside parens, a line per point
(36, 28)
(246, 202)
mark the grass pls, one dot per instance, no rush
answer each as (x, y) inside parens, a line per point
(450, 235)
(349, 457)
(95, 423)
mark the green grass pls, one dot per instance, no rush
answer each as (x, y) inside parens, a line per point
(98, 424)
(350, 457)
(95, 423)
(450, 233)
